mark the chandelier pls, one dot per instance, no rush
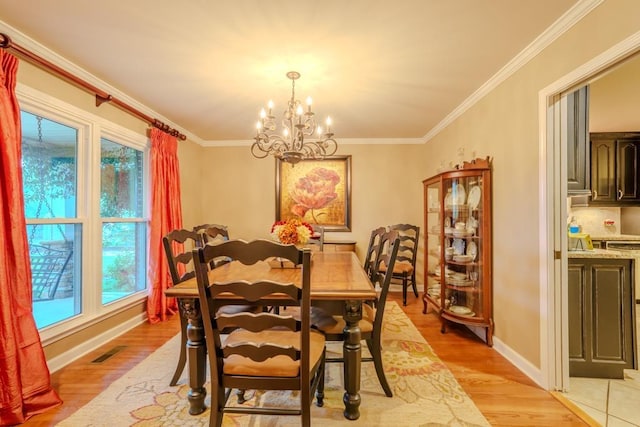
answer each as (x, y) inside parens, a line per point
(294, 142)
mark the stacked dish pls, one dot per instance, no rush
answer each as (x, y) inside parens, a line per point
(460, 282)
(463, 258)
(462, 310)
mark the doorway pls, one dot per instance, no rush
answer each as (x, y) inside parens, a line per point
(554, 260)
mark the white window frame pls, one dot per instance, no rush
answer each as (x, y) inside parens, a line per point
(90, 130)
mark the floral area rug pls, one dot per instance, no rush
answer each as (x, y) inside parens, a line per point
(425, 392)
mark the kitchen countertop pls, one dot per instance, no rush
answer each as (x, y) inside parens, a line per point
(604, 253)
(612, 237)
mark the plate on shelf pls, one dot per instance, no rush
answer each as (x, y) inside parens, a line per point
(460, 309)
(458, 246)
(462, 258)
(474, 197)
(460, 283)
(447, 222)
(448, 199)
(459, 194)
(472, 250)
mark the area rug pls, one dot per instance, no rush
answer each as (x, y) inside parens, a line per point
(425, 392)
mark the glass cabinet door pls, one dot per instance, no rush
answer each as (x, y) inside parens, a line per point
(462, 219)
(433, 270)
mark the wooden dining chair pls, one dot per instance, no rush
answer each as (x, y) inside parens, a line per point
(178, 246)
(200, 228)
(372, 317)
(265, 351)
(317, 240)
(213, 234)
(405, 268)
(373, 251)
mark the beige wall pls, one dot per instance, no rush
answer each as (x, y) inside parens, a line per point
(192, 184)
(613, 99)
(505, 125)
(386, 187)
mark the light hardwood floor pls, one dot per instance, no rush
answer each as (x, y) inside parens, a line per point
(503, 394)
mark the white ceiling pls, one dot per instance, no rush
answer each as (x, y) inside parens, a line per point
(381, 69)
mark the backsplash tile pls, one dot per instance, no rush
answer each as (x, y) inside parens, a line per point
(591, 220)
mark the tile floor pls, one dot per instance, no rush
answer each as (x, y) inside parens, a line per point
(612, 403)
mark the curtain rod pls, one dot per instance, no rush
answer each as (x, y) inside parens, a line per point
(101, 96)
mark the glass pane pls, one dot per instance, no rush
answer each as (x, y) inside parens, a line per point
(121, 184)
(55, 252)
(123, 259)
(48, 167)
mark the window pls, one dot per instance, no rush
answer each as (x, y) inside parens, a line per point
(49, 174)
(85, 198)
(123, 228)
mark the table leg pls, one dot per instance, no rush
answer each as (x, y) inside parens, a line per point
(196, 355)
(352, 359)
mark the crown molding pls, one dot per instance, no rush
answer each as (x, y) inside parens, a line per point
(558, 28)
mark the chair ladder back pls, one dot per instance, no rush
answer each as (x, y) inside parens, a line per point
(409, 239)
(263, 292)
(255, 322)
(391, 241)
(373, 250)
(252, 252)
(179, 256)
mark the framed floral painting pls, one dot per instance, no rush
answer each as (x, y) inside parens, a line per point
(316, 191)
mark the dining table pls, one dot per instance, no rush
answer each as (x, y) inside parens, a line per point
(339, 286)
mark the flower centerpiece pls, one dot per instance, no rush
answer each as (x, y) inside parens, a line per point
(292, 231)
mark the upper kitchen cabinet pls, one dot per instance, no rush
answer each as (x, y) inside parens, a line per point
(578, 143)
(615, 168)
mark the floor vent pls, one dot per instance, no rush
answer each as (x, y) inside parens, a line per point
(108, 354)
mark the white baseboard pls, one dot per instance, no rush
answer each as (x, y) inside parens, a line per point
(78, 351)
(518, 361)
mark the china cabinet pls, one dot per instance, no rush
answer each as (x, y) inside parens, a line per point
(457, 274)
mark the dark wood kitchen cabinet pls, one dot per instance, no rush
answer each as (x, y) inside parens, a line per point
(615, 168)
(578, 181)
(601, 329)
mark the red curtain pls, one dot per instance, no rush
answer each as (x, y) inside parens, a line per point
(25, 387)
(166, 215)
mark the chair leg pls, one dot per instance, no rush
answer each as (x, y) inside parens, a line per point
(405, 285)
(217, 403)
(320, 390)
(376, 354)
(182, 359)
(413, 281)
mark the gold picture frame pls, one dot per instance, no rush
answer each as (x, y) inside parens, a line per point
(317, 191)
